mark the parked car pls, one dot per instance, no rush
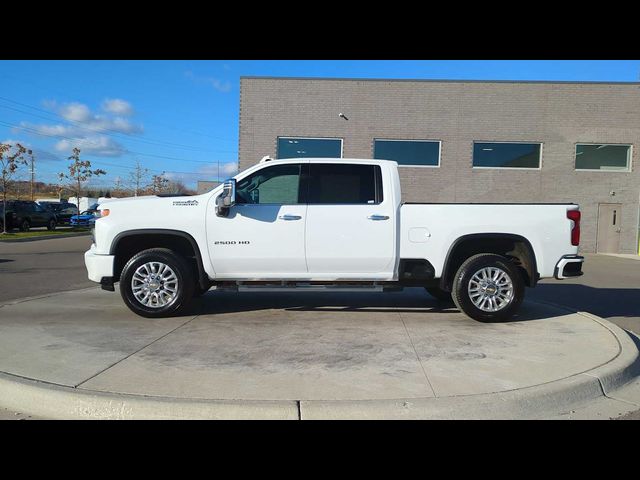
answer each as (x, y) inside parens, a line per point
(25, 214)
(85, 219)
(322, 224)
(62, 210)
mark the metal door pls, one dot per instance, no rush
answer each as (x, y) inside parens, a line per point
(609, 227)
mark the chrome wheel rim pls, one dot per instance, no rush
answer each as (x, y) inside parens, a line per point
(154, 285)
(490, 289)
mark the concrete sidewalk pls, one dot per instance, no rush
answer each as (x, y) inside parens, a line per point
(82, 354)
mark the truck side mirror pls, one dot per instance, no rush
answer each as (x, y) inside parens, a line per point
(227, 198)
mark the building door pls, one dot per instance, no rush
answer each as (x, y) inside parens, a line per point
(609, 227)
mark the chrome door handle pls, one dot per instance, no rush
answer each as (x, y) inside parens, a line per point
(289, 217)
(378, 217)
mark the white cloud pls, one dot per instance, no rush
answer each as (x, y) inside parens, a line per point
(87, 130)
(208, 172)
(216, 83)
(11, 141)
(98, 145)
(117, 106)
(75, 112)
(226, 170)
(39, 154)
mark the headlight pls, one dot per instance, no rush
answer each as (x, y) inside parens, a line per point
(102, 213)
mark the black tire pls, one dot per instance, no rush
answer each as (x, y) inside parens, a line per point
(460, 292)
(439, 294)
(51, 225)
(25, 225)
(184, 288)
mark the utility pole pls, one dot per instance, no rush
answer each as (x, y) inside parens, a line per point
(33, 175)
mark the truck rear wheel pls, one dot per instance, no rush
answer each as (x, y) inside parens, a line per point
(156, 283)
(488, 288)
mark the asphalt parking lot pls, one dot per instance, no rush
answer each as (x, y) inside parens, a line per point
(39, 267)
(610, 287)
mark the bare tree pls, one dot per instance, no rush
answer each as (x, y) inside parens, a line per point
(79, 172)
(178, 187)
(9, 162)
(138, 178)
(159, 184)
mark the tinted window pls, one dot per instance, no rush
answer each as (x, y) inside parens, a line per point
(408, 152)
(602, 157)
(279, 184)
(289, 147)
(506, 155)
(334, 183)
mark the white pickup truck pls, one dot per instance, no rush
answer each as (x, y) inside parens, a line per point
(323, 224)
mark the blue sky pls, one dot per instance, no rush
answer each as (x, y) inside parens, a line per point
(181, 116)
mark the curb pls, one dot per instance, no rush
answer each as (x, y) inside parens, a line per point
(43, 237)
(613, 387)
(53, 401)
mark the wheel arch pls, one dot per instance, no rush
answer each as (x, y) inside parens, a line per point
(507, 244)
(128, 243)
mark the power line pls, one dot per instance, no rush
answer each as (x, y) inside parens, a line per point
(101, 162)
(59, 136)
(39, 87)
(105, 130)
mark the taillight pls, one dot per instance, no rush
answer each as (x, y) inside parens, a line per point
(574, 215)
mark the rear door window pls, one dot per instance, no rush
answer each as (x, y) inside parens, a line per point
(346, 184)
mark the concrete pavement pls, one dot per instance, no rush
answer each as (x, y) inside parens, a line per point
(301, 355)
(90, 340)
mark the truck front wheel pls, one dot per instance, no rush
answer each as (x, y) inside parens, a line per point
(156, 283)
(488, 288)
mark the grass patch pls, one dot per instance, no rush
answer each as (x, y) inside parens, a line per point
(13, 235)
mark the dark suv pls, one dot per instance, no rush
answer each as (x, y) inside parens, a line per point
(63, 211)
(24, 214)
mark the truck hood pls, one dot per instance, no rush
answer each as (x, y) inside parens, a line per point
(152, 203)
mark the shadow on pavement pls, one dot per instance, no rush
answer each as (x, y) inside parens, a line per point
(603, 302)
(412, 301)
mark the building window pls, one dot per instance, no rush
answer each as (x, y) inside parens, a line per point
(290, 147)
(506, 155)
(417, 153)
(603, 157)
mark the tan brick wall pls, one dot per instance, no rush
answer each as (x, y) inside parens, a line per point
(457, 113)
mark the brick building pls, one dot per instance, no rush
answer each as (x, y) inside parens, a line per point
(467, 141)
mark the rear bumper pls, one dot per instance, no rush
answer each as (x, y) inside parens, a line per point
(98, 266)
(569, 266)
